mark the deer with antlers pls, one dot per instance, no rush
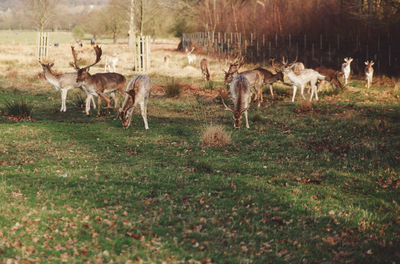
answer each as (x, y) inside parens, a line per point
(137, 93)
(254, 77)
(270, 78)
(346, 69)
(240, 92)
(369, 73)
(63, 82)
(204, 69)
(99, 84)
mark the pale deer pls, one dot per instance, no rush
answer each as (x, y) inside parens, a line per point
(204, 69)
(137, 92)
(331, 75)
(346, 69)
(302, 78)
(191, 57)
(270, 78)
(111, 63)
(240, 92)
(280, 66)
(369, 73)
(63, 83)
(100, 83)
(254, 77)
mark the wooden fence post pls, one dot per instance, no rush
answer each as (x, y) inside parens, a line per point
(142, 54)
(42, 49)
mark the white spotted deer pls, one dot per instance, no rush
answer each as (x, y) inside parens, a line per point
(204, 69)
(137, 92)
(111, 63)
(63, 82)
(369, 73)
(99, 84)
(303, 77)
(191, 57)
(346, 69)
(240, 92)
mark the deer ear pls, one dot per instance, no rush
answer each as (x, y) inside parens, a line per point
(366, 63)
(131, 94)
(51, 65)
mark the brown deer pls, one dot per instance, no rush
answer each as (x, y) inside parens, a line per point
(270, 78)
(100, 83)
(137, 93)
(240, 92)
(204, 69)
(369, 73)
(331, 76)
(254, 77)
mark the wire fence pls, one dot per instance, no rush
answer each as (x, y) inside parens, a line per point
(323, 49)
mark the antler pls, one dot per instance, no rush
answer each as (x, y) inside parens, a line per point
(75, 58)
(226, 107)
(98, 51)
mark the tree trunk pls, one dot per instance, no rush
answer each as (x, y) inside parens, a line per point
(131, 40)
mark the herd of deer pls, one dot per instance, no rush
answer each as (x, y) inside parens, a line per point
(298, 75)
(137, 91)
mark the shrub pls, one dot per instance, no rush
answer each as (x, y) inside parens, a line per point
(303, 107)
(18, 110)
(215, 136)
(174, 89)
(78, 32)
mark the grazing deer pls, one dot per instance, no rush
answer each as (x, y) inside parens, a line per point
(302, 78)
(346, 69)
(191, 57)
(254, 77)
(100, 83)
(204, 69)
(111, 63)
(63, 83)
(270, 78)
(240, 92)
(369, 73)
(137, 93)
(331, 75)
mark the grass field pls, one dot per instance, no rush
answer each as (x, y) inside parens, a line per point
(306, 183)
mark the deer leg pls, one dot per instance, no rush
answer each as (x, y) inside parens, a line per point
(247, 121)
(89, 98)
(63, 100)
(272, 91)
(104, 97)
(144, 114)
(294, 92)
(302, 91)
(99, 105)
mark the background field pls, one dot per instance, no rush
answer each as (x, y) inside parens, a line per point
(306, 183)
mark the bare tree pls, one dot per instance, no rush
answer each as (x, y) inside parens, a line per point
(41, 12)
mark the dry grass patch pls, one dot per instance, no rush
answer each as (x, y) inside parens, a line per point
(304, 107)
(215, 136)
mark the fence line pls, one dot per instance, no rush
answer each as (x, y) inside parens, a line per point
(328, 50)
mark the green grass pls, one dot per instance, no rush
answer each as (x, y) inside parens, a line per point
(315, 186)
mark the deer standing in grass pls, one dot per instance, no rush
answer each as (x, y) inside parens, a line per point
(100, 83)
(303, 77)
(254, 77)
(369, 73)
(191, 57)
(63, 83)
(240, 92)
(111, 63)
(137, 92)
(270, 78)
(204, 69)
(346, 69)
